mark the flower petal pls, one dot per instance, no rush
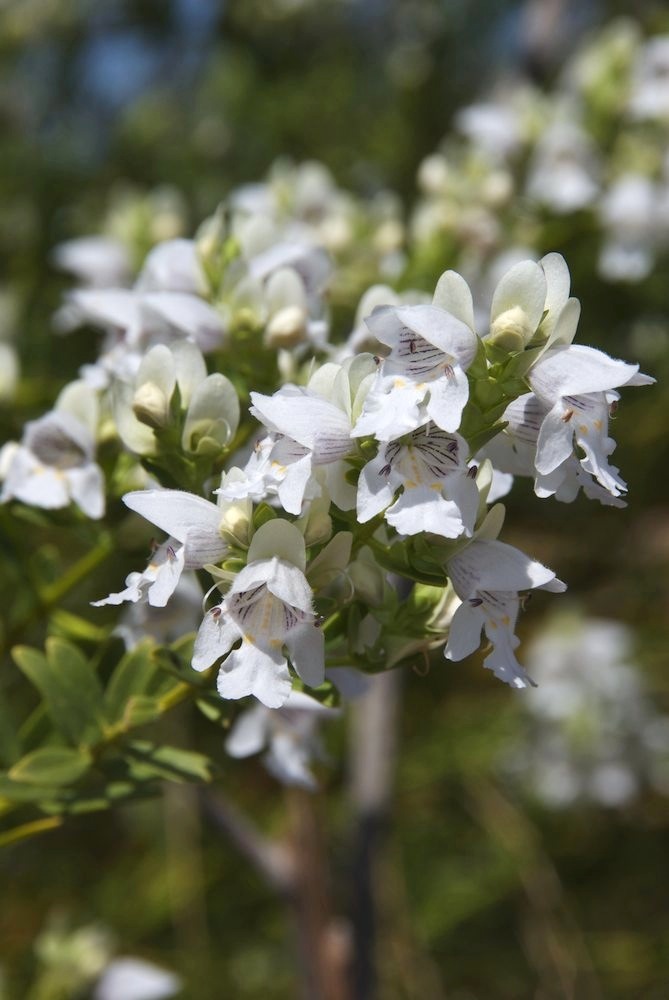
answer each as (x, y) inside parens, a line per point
(306, 646)
(249, 732)
(423, 509)
(188, 314)
(555, 442)
(87, 488)
(523, 285)
(454, 295)
(262, 672)
(448, 398)
(576, 369)
(375, 490)
(464, 635)
(496, 566)
(216, 635)
(313, 422)
(176, 512)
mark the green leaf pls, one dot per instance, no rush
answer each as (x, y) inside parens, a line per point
(140, 709)
(147, 761)
(51, 766)
(216, 710)
(69, 626)
(68, 685)
(16, 791)
(132, 676)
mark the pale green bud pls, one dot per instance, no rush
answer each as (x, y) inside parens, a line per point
(512, 330)
(151, 406)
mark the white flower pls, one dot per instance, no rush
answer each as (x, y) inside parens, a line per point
(493, 127)
(531, 304)
(361, 338)
(650, 84)
(633, 222)
(575, 383)
(196, 528)
(591, 730)
(307, 431)
(97, 261)
(438, 494)
(172, 265)
(310, 434)
(134, 979)
(564, 172)
(290, 734)
(424, 376)
(144, 405)
(514, 451)
(268, 606)
(487, 576)
(158, 581)
(54, 463)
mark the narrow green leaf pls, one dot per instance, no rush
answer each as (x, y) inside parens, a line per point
(64, 623)
(16, 791)
(68, 685)
(140, 709)
(216, 711)
(147, 761)
(132, 676)
(51, 766)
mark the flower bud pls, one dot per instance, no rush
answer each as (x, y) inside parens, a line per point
(511, 331)
(287, 327)
(151, 406)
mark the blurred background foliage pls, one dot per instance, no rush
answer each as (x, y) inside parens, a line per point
(487, 891)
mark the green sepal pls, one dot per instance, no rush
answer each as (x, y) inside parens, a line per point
(262, 514)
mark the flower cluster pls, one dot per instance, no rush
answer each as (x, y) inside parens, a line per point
(314, 499)
(590, 732)
(592, 150)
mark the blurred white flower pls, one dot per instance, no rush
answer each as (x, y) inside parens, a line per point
(564, 171)
(54, 463)
(290, 734)
(128, 978)
(96, 261)
(592, 733)
(649, 96)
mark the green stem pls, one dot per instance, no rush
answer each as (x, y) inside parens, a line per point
(79, 571)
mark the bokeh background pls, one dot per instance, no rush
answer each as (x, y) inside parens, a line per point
(524, 852)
